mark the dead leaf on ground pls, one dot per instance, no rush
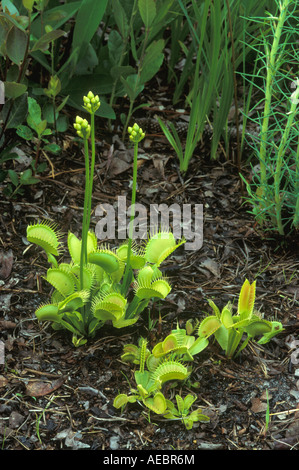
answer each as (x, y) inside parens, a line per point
(258, 406)
(6, 262)
(212, 266)
(40, 388)
(3, 381)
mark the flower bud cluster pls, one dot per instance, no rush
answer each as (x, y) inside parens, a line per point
(136, 133)
(91, 102)
(82, 127)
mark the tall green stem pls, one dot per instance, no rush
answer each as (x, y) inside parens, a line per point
(85, 225)
(136, 135)
(128, 264)
(279, 159)
(296, 218)
(272, 63)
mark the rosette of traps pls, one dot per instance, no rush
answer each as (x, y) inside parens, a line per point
(85, 297)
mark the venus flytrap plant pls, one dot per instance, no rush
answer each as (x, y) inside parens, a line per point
(182, 411)
(163, 364)
(94, 286)
(229, 329)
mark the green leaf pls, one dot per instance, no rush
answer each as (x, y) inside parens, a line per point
(28, 4)
(26, 178)
(18, 111)
(14, 90)
(152, 61)
(16, 41)
(62, 104)
(120, 17)
(55, 17)
(10, 7)
(115, 44)
(132, 86)
(34, 112)
(13, 177)
(25, 132)
(43, 42)
(88, 19)
(53, 148)
(147, 10)
(121, 71)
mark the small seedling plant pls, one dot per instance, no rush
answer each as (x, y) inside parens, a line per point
(165, 363)
(95, 285)
(229, 329)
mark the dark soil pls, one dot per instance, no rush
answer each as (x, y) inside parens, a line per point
(54, 396)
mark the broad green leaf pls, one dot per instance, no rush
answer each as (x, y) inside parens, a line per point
(152, 61)
(88, 19)
(10, 7)
(25, 132)
(132, 86)
(120, 18)
(52, 148)
(147, 10)
(26, 178)
(28, 4)
(43, 42)
(199, 345)
(34, 112)
(16, 41)
(55, 17)
(222, 335)
(115, 44)
(121, 71)
(14, 90)
(13, 177)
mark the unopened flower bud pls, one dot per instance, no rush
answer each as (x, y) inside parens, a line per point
(136, 133)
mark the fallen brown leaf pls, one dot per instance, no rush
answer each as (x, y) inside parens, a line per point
(6, 262)
(39, 389)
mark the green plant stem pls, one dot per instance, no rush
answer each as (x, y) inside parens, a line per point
(279, 161)
(134, 186)
(93, 153)
(296, 218)
(85, 226)
(137, 83)
(271, 72)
